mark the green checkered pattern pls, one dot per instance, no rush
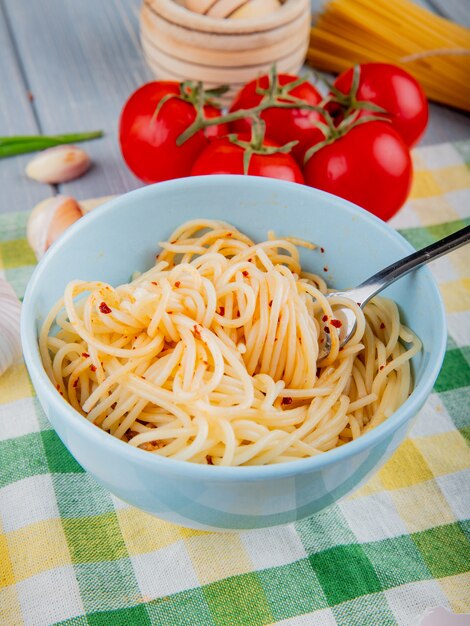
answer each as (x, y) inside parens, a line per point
(71, 553)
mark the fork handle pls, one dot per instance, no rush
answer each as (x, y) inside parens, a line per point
(370, 287)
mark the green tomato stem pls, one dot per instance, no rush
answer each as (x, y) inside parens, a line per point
(200, 123)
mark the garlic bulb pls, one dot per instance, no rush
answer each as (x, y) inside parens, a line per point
(48, 221)
(10, 310)
(59, 164)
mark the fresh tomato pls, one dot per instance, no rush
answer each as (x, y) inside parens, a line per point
(369, 165)
(282, 125)
(148, 141)
(396, 91)
(222, 156)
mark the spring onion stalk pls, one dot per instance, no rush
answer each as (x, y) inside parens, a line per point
(20, 144)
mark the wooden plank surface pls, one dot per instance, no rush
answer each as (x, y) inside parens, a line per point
(16, 116)
(81, 60)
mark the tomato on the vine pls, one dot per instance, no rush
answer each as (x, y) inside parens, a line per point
(223, 156)
(282, 125)
(369, 165)
(148, 139)
(396, 91)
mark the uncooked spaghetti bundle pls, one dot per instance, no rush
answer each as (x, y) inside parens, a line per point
(434, 50)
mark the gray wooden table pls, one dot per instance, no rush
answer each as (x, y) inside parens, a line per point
(68, 65)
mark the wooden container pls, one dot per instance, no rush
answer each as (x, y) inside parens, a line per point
(179, 44)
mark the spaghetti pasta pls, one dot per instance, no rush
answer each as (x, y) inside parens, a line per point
(211, 356)
(434, 50)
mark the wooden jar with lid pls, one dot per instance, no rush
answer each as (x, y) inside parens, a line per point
(180, 44)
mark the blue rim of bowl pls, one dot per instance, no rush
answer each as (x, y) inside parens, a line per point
(214, 472)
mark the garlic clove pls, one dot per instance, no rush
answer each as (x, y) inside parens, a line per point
(58, 164)
(255, 8)
(199, 6)
(49, 219)
(10, 311)
(224, 8)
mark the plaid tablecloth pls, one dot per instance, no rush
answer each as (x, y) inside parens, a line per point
(71, 553)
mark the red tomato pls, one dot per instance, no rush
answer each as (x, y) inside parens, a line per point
(394, 90)
(282, 125)
(148, 143)
(369, 165)
(224, 157)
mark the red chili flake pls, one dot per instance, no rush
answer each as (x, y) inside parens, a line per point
(143, 377)
(221, 310)
(209, 459)
(229, 235)
(30, 96)
(327, 330)
(381, 367)
(325, 269)
(177, 284)
(75, 383)
(238, 314)
(382, 325)
(154, 283)
(85, 355)
(336, 323)
(322, 250)
(104, 308)
(341, 349)
(322, 340)
(286, 401)
(245, 273)
(270, 303)
(114, 405)
(174, 241)
(93, 368)
(324, 318)
(57, 387)
(250, 260)
(196, 331)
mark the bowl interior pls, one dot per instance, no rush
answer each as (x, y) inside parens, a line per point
(122, 237)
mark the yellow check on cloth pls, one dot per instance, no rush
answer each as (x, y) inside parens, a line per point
(71, 553)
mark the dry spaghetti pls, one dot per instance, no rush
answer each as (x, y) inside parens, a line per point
(434, 50)
(211, 356)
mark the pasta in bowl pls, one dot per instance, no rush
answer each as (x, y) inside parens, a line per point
(212, 355)
(215, 411)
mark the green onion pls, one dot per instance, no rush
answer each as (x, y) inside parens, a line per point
(20, 144)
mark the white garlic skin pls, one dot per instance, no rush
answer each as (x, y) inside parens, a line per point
(10, 311)
(49, 219)
(58, 164)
